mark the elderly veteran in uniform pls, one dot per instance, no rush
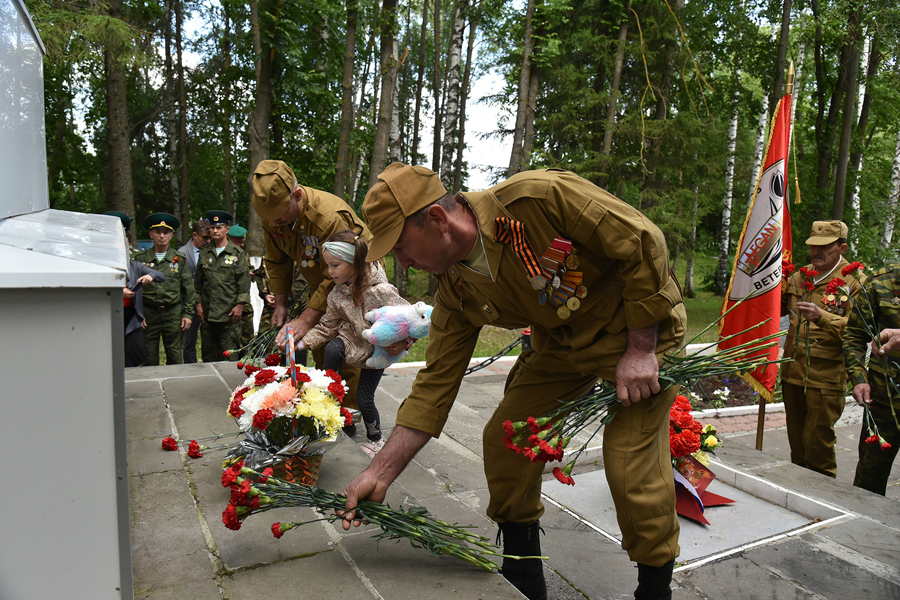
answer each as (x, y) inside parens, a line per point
(200, 238)
(296, 221)
(603, 305)
(878, 315)
(223, 289)
(814, 386)
(238, 235)
(168, 306)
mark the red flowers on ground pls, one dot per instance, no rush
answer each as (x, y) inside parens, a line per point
(230, 518)
(230, 475)
(169, 443)
(276, 530)
(194, 449)
(262, 418)
(267, 472)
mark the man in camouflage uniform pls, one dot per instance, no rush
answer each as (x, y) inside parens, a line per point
(878, 315)
(168, 306)
(223, 289)
(814, 386)
(238, 235)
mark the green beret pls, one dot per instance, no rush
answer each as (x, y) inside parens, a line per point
(237, 231)
(126, 220)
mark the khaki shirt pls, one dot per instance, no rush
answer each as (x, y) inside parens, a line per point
(624, 261)
(825, 362)
(178, 287)
(222, 282)
(322, 215)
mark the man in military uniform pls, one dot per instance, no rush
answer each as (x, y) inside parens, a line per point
(168, 306)
(200, 238)
(590, 275)
(877, 316)
(814, 386)
(223, 289)
(237, 235)
(296, 221)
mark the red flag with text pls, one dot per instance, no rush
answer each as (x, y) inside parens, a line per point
(765, 243)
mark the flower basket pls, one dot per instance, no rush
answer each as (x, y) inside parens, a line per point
(299, 469)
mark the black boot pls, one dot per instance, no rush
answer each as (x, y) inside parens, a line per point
(527, 575)
(654, 582)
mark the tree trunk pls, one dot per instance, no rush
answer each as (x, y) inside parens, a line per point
(395, 152)
(258, 126)
(613, 100)
(870, 60)
(343, 156)
(843, 159)
(185, 215)
(783, 42)
(888, 233)
(761, 129)
(389, 65)
(172, 113)
(420, 77)
(516, 156)
(725, 230)
(119, 186)
(452, 107)
(689, 267)
(226, 121)
(438, 116)
(470, 52)
(528, 137)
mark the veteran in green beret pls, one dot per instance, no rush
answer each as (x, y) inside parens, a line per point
(238, 235)
(223, 290)
(296, 221)
(168, 306)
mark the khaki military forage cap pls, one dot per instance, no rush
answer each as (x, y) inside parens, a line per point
(273, 182)
(401, 191)
(826, 232)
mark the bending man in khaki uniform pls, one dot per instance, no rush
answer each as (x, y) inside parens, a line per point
(814, 386)
(624, 312)
(296, 221)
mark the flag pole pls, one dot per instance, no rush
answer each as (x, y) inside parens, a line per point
(761, 419)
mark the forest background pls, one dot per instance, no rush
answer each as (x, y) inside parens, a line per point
(665, 103)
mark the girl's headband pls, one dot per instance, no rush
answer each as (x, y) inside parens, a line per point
(341, 250)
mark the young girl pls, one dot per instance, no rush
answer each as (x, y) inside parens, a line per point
(358, 288)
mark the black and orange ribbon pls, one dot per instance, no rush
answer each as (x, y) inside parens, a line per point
(512, 232)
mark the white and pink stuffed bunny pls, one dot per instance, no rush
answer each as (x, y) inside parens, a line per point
(392, 324)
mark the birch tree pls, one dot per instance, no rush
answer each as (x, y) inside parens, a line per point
(888, 233)
(451, 112)
(389, 66)
(516, 155)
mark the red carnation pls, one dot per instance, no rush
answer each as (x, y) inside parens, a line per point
(194, 449)
(264, 377)
(854, 266)
(562, 477)
(267, 472)
(872, 439)
(303, 378)
(227, 353)
(273, 360)
(508, 427)
(684, 444)
(230, 475)
(334, 376)
(348, 417)
(885, 446)
(509, 444)
(276, 530)
(337, 389)
(810, 273)
(240, 365)
(808, 286)
(234, 409)
(834, 284)
(250, 370)
(230, 518)
(169, 443)
(262, 418)
(787, 268)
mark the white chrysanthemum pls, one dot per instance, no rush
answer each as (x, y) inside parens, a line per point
(318, 379)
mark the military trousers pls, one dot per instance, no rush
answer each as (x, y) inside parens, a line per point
(165, 325)
(874, 466)
(190, 341)
(810, 417)
(636, 456)
(216, 338)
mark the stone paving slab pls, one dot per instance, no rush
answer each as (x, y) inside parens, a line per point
(183, 551)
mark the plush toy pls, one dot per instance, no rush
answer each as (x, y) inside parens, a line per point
(390, 324)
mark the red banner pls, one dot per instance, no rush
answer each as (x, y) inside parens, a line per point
(765, 241)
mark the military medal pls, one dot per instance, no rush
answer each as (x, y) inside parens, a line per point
(308, 251)
(542, 298)
(573, 303)
(563, 312)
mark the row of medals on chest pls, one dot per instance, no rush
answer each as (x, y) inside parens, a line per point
(835, 304)
(560, 283)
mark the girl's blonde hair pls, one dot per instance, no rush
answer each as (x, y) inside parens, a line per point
(360, 266)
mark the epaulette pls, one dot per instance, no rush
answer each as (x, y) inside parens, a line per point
(884, 270)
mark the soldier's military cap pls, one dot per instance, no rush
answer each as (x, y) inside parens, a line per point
(219, 217)
(126, 220)
(273, 182)
(237, 231)
(161, 219)
(826, 232)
